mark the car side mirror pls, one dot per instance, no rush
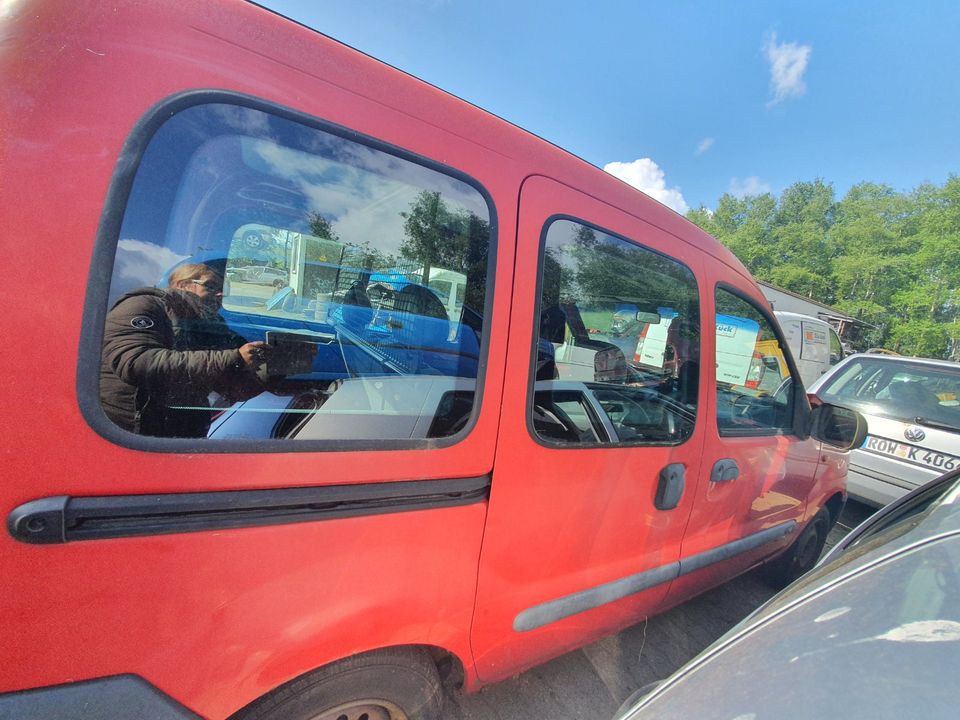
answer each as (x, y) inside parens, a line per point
(838, 426)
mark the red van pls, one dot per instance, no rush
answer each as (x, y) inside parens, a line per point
(418, 456)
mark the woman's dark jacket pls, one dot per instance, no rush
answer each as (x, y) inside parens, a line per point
(163, 354)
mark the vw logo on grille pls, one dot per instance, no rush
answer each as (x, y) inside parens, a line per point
(914, 434)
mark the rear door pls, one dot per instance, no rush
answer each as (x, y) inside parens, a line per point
(588, 505)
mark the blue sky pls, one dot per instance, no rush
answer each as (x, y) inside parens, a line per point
(688, 100)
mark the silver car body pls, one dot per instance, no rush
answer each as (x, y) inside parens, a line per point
(912, 408)
(873, 632)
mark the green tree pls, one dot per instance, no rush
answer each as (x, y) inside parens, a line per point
(807, 203)
(430, 228)
(611, 270)
(321, 228)
(748, 223)
(457, 240)
(872, 241)
(890, 259)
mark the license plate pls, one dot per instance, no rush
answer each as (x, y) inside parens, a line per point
(912, 453)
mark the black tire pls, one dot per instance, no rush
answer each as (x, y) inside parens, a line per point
(389, 684)
(802, 555)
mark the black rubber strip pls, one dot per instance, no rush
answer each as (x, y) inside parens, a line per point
(578, 602)
(731, 549)
(590, 598)
(65, 519)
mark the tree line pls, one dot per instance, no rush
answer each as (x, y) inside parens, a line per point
(888, 258)
(435, 236)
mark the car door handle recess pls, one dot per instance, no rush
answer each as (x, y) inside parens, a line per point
(725, 471)
(670, 487)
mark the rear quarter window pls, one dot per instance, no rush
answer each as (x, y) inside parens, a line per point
(272, 278)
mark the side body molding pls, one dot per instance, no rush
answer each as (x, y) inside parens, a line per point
(563, 607)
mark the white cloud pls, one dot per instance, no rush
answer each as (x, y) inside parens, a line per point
(140, 264)
(788, 63)
(704, 145)
(747, 186)
(645, 175)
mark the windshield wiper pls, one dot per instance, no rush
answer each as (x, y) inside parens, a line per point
(927, 422)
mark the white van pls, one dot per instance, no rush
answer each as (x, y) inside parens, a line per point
(813, 342)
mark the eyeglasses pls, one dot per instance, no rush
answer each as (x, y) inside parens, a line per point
(211, 286)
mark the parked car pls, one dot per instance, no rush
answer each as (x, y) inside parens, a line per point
(625, 321)
(378, 494)
(263, 275)
(872, 632)
(912, 407)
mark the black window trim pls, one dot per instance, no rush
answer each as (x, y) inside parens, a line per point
(801, 408)
(102, 265)
(532, 369)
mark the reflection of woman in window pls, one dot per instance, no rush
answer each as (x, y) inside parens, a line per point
(166, 350)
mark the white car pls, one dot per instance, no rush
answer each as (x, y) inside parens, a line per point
(912, 408)
(263, 275)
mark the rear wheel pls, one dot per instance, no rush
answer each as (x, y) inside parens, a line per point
(802, 555)
(389, 684)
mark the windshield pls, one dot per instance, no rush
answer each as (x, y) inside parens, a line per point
(902, 390)
(914, 507)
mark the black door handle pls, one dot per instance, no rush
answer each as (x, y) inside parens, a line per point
(725, 470)
(670, 487)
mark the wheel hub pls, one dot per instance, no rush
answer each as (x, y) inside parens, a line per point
(363, 710)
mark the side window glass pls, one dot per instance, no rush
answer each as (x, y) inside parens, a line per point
(836, 348)
(273, 280)
(754, 387)
(618, 346)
